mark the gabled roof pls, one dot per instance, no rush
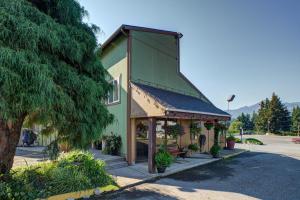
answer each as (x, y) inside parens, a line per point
(173, 101)
(124, 27)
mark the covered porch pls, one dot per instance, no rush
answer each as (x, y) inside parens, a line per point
(154, 109)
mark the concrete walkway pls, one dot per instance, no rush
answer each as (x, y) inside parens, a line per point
(130, 175)
(138, 173)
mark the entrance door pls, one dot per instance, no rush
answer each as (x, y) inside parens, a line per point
(142, 141)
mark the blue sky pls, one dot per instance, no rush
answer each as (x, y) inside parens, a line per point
(250, 48)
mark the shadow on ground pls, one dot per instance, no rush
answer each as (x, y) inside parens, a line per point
(254, 174)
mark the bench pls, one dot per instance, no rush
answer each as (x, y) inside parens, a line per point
(177, 152)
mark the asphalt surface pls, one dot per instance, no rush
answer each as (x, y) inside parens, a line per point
(23, 158)
(270, 171)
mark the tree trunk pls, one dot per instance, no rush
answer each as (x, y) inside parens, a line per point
(9, 138)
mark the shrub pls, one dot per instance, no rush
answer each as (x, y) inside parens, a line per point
(230, 138)
(113, 144)
(73, 171)
(237, 140)
(214, 150)
(193, 147)
(253, 141)
(52, 150)
(163, 159)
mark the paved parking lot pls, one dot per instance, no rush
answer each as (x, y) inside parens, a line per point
(271, 171)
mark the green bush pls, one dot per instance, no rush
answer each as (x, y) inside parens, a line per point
(230, 138)
(193, 147)
(73, 171)
(215, 150)
(52, 150)
(163, 159)
(112, 144)
(237, 140)
(253, 141)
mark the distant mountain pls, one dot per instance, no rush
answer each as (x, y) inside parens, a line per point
(250, 109)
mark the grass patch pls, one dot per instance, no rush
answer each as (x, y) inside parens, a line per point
(253, 141)
(72, 172)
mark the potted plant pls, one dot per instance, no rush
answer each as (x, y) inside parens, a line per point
(215, 150)
(163, 159)
(113, 144)
(230, 142)
(193, 147)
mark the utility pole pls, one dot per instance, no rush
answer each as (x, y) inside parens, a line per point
(229, 99)
(269, 126)
(298, 129)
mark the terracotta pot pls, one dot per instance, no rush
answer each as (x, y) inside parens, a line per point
(230, 144)
(161, 169)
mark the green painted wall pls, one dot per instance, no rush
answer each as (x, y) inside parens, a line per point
(154, 59)
(114, 59)
(116, 51)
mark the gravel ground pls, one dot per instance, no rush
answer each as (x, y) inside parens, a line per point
(270, 171)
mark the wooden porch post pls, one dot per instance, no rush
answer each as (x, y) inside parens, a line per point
(133, 142)
(151, 144)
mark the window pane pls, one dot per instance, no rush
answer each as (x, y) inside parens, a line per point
(116, 91)
(110, 96)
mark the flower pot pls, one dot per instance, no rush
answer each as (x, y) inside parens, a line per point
(216, 155)
(161, 169)
(230, 144)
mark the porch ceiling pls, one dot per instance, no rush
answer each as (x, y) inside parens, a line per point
(148, 101)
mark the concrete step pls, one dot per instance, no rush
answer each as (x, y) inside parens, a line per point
(116, 164)
(114, 160)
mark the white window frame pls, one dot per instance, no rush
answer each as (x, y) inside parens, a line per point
(119, 93)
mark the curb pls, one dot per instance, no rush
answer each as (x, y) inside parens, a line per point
(235, 154)
(158, 176)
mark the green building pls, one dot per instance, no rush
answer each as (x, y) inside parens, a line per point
(149, 91)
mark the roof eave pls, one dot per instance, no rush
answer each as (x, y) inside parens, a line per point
(123, 27)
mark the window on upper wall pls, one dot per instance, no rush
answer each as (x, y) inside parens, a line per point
(114, 93)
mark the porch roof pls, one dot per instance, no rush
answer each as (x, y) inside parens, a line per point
(177, 102)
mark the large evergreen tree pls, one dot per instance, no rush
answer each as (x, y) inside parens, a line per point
(273, 116)
(263, 116)
(296, 119)
(49, 70)
(246, 121)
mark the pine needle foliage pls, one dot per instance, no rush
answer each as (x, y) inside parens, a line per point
(49, 68)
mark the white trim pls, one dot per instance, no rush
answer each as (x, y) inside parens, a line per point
(197, 112)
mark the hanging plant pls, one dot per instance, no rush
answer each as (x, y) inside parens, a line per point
(217, 129)
(142, 130)
(208, 125)
(195, 130)
(175, 130)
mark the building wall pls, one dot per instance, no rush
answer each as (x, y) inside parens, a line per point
(155, 62)
(114, 59)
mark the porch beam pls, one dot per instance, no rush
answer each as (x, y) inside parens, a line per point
(152, 144)
(182, 115)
